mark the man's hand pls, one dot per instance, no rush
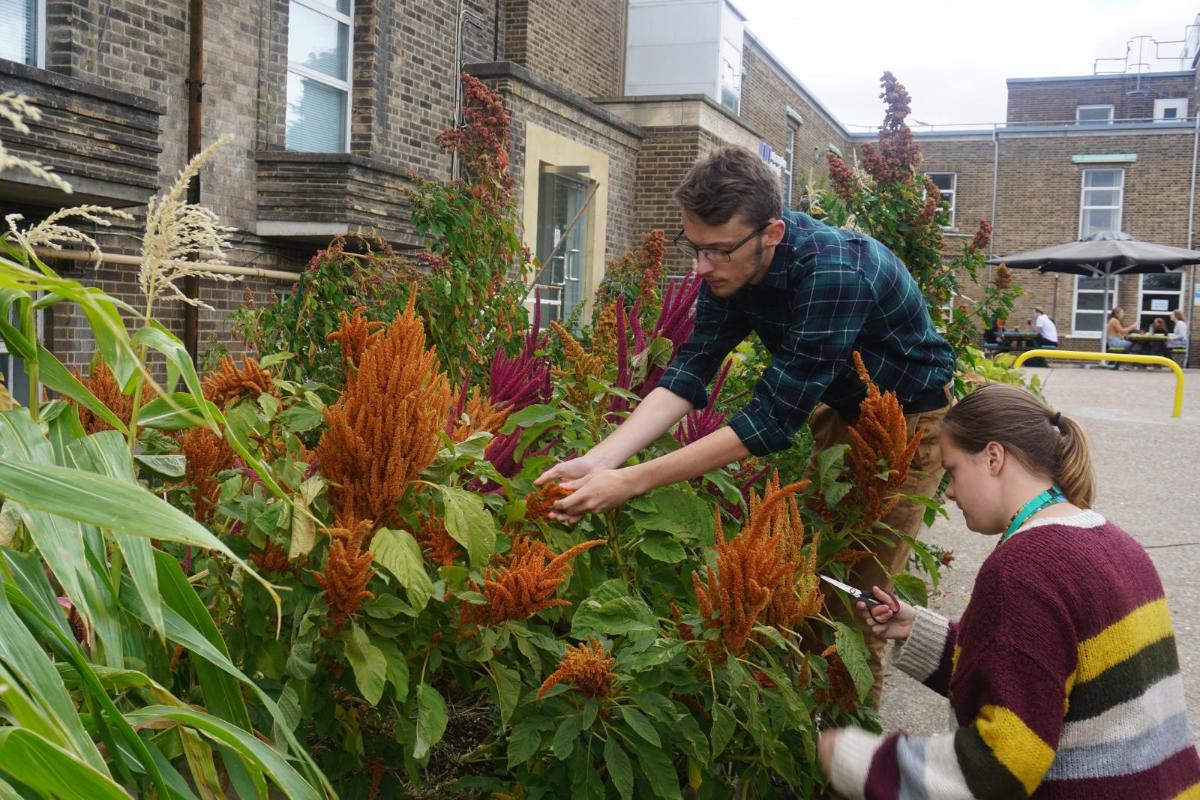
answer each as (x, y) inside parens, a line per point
(597, 491)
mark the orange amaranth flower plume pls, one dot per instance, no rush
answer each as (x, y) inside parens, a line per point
(604, 337)
(839, 689)
(355, 335)
(227, 383)
(526, 582)
(797, 595)
(205, 454)
(759, 572)
(583, 365)
(385, 427)
(588, 667)
(104, 386)
(347, 569)
(433, 536)
(480, 414)
(539, 504)
(271, 559)
(879, 437)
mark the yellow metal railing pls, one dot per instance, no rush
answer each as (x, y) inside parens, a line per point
(1080, 355)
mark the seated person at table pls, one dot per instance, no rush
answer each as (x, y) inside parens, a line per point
(1155, 347)
(1178, 337)
(992, 335)
(1046, 329)
(1116, 330)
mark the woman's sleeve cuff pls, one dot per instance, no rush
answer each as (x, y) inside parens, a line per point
(921, 653)
(852, 755)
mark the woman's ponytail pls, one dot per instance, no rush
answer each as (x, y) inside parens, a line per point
(1074, 475)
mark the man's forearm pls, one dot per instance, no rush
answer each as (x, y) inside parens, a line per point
(652, 418)
(717, 449)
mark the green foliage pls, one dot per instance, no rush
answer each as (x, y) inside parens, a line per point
(94, 609)
(890, 199)
(337, 280)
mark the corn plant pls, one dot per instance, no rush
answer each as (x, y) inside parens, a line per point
(114, 679)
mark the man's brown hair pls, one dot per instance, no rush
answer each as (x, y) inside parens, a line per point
(730, 181)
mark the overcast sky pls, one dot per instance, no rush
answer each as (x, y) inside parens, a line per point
(953, 55)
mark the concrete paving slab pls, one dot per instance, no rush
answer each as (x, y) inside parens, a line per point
(1148, 482)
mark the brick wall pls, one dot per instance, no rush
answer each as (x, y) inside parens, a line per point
(105, 142)
(767, 91)
(556, 110)
(1038, 202)
(136, 46)
(970, 159)
(576, 44)
(1055, 100)
(667, 155)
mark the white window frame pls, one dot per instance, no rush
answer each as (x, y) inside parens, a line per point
(1083, 190)
(1108, 121)
(347, 85)
(1112, 299)
(951, 193)
(40, 38)
(789, 170)
(38, 57)
(1180, 104)
(1182, 296)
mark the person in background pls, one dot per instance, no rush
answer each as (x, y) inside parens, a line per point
(1179, 333)
(1046, 329)
(1159, 328)
(1063, 673)
(1047, 335)
(1116, 331)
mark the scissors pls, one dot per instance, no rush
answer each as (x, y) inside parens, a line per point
(892, 604)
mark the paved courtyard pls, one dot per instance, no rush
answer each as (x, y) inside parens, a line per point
(1148, 470)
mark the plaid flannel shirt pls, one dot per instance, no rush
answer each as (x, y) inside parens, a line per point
(827, 293)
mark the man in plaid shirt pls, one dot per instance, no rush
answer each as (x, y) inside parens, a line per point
(814, 294)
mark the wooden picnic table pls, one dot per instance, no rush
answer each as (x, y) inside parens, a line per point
(1154, 344)
(1018, 340)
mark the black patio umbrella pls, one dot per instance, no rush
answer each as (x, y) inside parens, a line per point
(1103, 255)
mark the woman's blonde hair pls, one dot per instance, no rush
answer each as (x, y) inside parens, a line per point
(1177, 314)
(1044, 441)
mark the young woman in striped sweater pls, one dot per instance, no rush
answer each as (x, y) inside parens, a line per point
(1062, 672)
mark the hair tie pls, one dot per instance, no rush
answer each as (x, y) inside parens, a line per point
(1056, 418)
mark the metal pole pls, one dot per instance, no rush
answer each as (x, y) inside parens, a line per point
(87, 256)
(195, 85)
(995, 182)
(1187, 359)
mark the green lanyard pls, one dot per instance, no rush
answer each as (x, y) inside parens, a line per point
(1051, 496)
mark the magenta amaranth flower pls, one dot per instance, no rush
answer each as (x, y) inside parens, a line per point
(702, 421)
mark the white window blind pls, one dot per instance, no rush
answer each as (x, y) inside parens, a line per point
(318, 81)
(20, 23)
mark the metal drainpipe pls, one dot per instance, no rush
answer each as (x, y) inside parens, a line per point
(195, 86)
(496, 31)
(460, 21)
(1190, 230)
(995, 180)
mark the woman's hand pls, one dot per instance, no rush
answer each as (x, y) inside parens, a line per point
(825, 747)
(888, 621)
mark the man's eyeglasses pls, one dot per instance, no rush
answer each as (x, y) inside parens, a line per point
(713, 255)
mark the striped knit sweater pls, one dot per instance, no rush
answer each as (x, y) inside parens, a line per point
(1063, 676)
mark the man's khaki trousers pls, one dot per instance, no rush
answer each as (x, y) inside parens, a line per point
(891, 554)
